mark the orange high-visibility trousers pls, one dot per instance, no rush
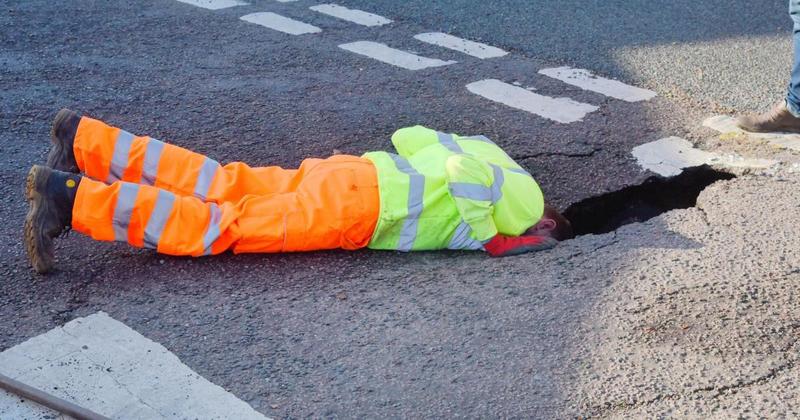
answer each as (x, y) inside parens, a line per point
(156, 195)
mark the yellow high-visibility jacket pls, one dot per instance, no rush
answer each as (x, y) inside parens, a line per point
(443, 191)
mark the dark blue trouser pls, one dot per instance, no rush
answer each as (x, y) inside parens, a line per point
(793, 97)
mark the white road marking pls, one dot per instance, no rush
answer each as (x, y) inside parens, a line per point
(584, 79)
(671, 155)
(475, 49)
(563, 110)
(395, 57)
(726, 124)
(214, 4)
(280, 23)
(351, 15)
(103, 365)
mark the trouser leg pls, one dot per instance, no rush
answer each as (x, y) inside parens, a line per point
(336, 205)
(793, 95)
(111, 154)
(148, 217)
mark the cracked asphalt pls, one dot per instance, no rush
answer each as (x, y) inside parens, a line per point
(691, 314)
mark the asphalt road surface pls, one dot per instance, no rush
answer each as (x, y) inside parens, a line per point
(364, 334)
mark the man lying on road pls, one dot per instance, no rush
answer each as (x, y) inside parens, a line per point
(440, 191)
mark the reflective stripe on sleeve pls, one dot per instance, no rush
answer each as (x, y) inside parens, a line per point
(158, 218)
(497, 185)
(119, 160)
(212, 231)
(416, 191)
(152, 155)
(470, 191)
(205, 177)
(449, 142)
(126, 199)
(462, 240)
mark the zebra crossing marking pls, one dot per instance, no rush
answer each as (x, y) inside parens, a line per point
(214, 4)
(393, 56)
(359, 17)
(475, 49)
(562, 110)
(280, 23)
(584, 79)
(103, 365)
(670, 156)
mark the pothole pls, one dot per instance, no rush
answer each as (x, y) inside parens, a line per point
(638, 203)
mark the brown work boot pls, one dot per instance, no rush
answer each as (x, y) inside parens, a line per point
(62, 135)
(779, 119)
(51, 195)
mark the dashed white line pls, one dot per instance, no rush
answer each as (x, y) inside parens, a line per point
(671, 155)
(475, 49)
(563, 110)
(584, 79)
(351, 15)
(281, 23)
(214, 4)
(395, 57)
(726, 124)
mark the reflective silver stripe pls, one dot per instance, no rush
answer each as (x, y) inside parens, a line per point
(470, 191)
(205, 177)
(497, 185)
(519, 171)
(152, 155)
(416, 191)
(158, 218)
(126, 199)
(462, 240)
(212, 232)
(449, 142)
(119, 160)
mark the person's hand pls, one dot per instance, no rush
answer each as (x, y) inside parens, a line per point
(504, 246)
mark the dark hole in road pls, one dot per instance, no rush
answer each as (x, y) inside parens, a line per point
(637, 203)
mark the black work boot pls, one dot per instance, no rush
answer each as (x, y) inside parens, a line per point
(51, 195)
(62, 156)
(779, 119)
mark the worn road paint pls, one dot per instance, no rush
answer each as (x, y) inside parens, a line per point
(726, 124)
(281, 23)
(103, 365)
(671, 155)
(395, 57)
(214, 4)
(584, 79)
(563, 110)
(475, 49)
(351, 15)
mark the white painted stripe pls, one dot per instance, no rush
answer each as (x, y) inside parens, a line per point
(475, 49)
(563, 110)
(584, 79)
(671, 155)
(214, 4)
(280, 23)
(351, 15)
(105, 366)
(727, 125)
(395, 57)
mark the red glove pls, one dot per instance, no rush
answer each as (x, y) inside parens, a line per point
(504, 246)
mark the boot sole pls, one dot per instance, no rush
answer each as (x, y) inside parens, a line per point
(40, 261)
